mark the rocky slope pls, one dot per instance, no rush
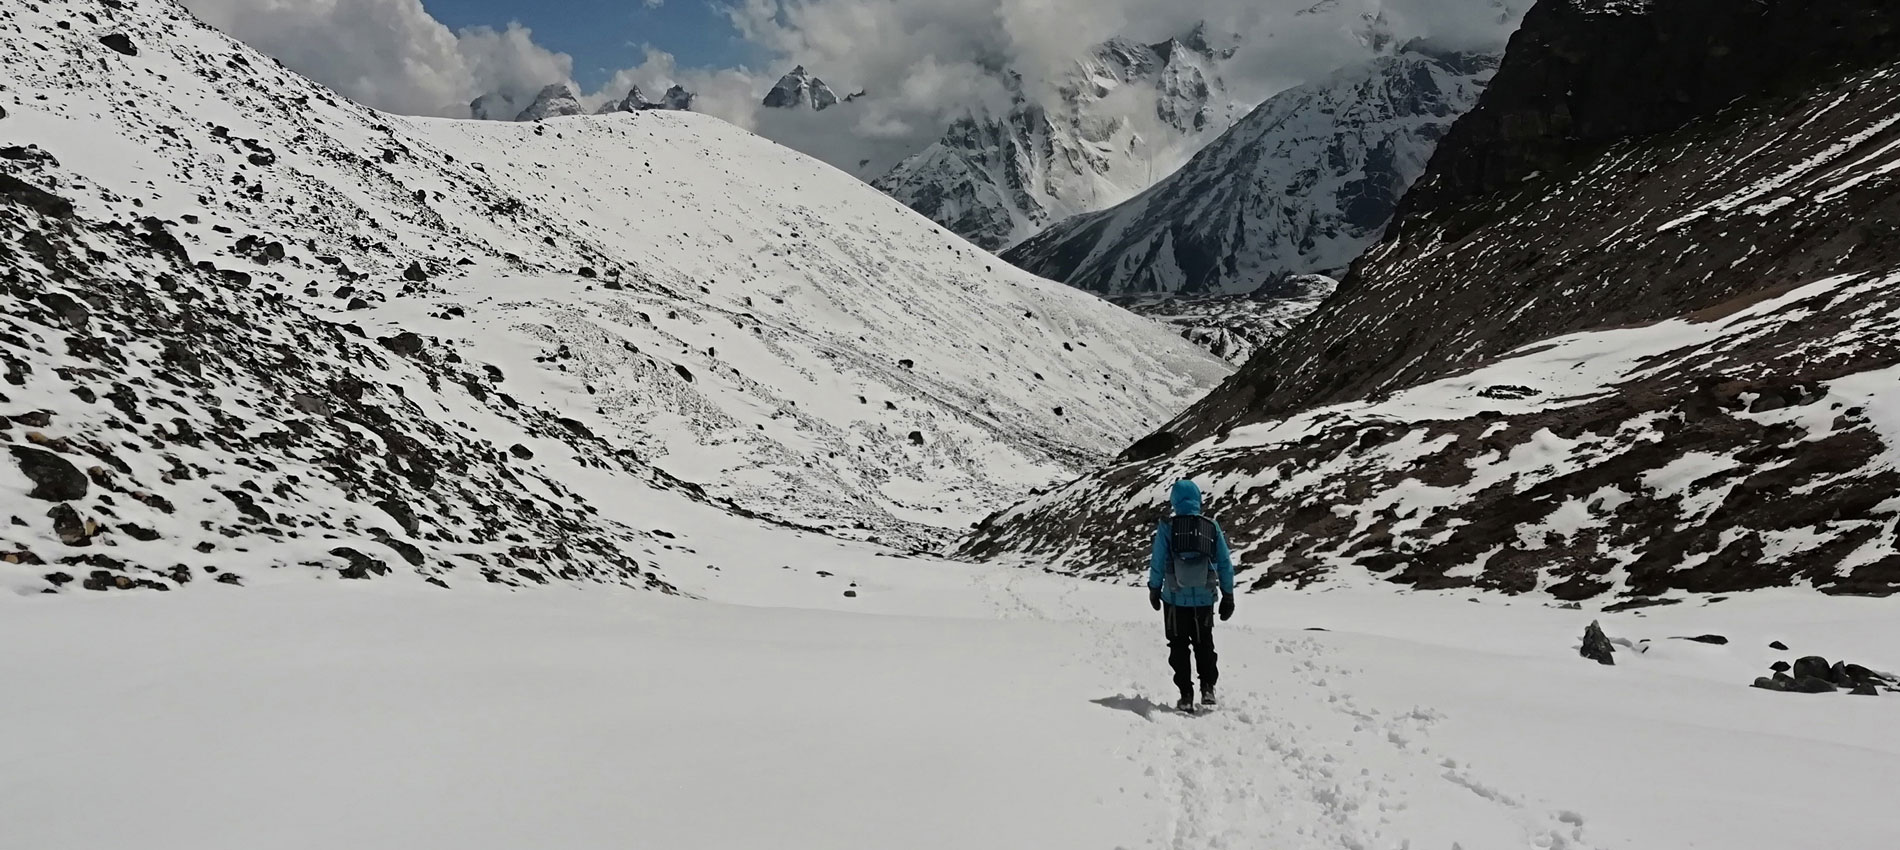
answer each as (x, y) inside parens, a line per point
(1300, 185)
(1633, 333)
(996, 179)
(1233, 327)
(265, 324)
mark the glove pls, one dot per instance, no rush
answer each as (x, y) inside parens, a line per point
(1226, 607)
(1154, 598)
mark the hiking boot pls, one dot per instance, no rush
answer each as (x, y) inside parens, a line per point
(1185, 706)
(1207, 696)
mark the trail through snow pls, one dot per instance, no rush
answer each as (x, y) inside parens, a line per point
(949, 706)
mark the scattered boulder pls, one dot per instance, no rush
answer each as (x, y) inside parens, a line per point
(1768, 684)
(54, 478)
(1778, 645)
(521, 451)
(119, 43)
(1865, 689)
(72, 530)
(1813, 667)
(1716, 640)
(415, 273)
(405, 344)
(1596, 645)
(851, 594)
(401, 513)
(361, 566)
(1780, 667)
(1812, 685)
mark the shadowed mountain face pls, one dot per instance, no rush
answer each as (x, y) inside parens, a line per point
(1633, 332)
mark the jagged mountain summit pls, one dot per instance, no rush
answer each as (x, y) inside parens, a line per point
(256, 327)
(675, 98)
(1633, 335)
(799, 90)
(559, 100)
(1301, 185)
(554, 101)
(997, 179)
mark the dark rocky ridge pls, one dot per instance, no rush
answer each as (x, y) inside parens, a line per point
(1617, 114)
(1711, 210)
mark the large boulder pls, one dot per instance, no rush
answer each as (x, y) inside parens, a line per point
(1597, 646)
(54, 478)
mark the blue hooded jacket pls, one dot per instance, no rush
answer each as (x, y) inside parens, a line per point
(1186, 497)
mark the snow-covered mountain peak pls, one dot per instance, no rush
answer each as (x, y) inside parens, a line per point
(1301, 185)
(799, 89)
(553, 101)
(1124, 114)
(676, 98)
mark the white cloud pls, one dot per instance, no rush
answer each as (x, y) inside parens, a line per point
(922, 62)
(390, 54)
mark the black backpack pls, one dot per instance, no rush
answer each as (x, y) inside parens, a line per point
(1193, 541)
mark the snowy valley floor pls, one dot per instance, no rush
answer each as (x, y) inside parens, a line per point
(946, 707)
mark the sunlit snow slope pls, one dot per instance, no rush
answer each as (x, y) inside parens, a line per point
(697, 308)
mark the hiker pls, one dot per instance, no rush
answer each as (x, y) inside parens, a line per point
(1190, 559)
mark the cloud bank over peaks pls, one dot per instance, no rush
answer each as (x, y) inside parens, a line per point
(922, 63)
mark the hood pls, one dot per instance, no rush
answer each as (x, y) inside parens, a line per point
(1186, 498)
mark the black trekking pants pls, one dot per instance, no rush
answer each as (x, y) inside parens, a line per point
(1191, 633)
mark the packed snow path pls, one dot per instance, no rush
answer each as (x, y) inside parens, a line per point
(955, 707)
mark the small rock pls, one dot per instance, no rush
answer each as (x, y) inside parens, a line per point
(521, 451)
(138, 532)
(1865, 689)
(59, 579)
(1716, 640)
(72, 530)
(1780, 667)
(415, 273)
(1597, 646)
(851, 594)
(1768, 684)
(230, 578)
(1778, 645)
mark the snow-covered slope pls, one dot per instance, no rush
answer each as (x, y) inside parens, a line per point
(945, 709)
(1301, 185)
(1632, 334)
(1125, 115)
(690, 307)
